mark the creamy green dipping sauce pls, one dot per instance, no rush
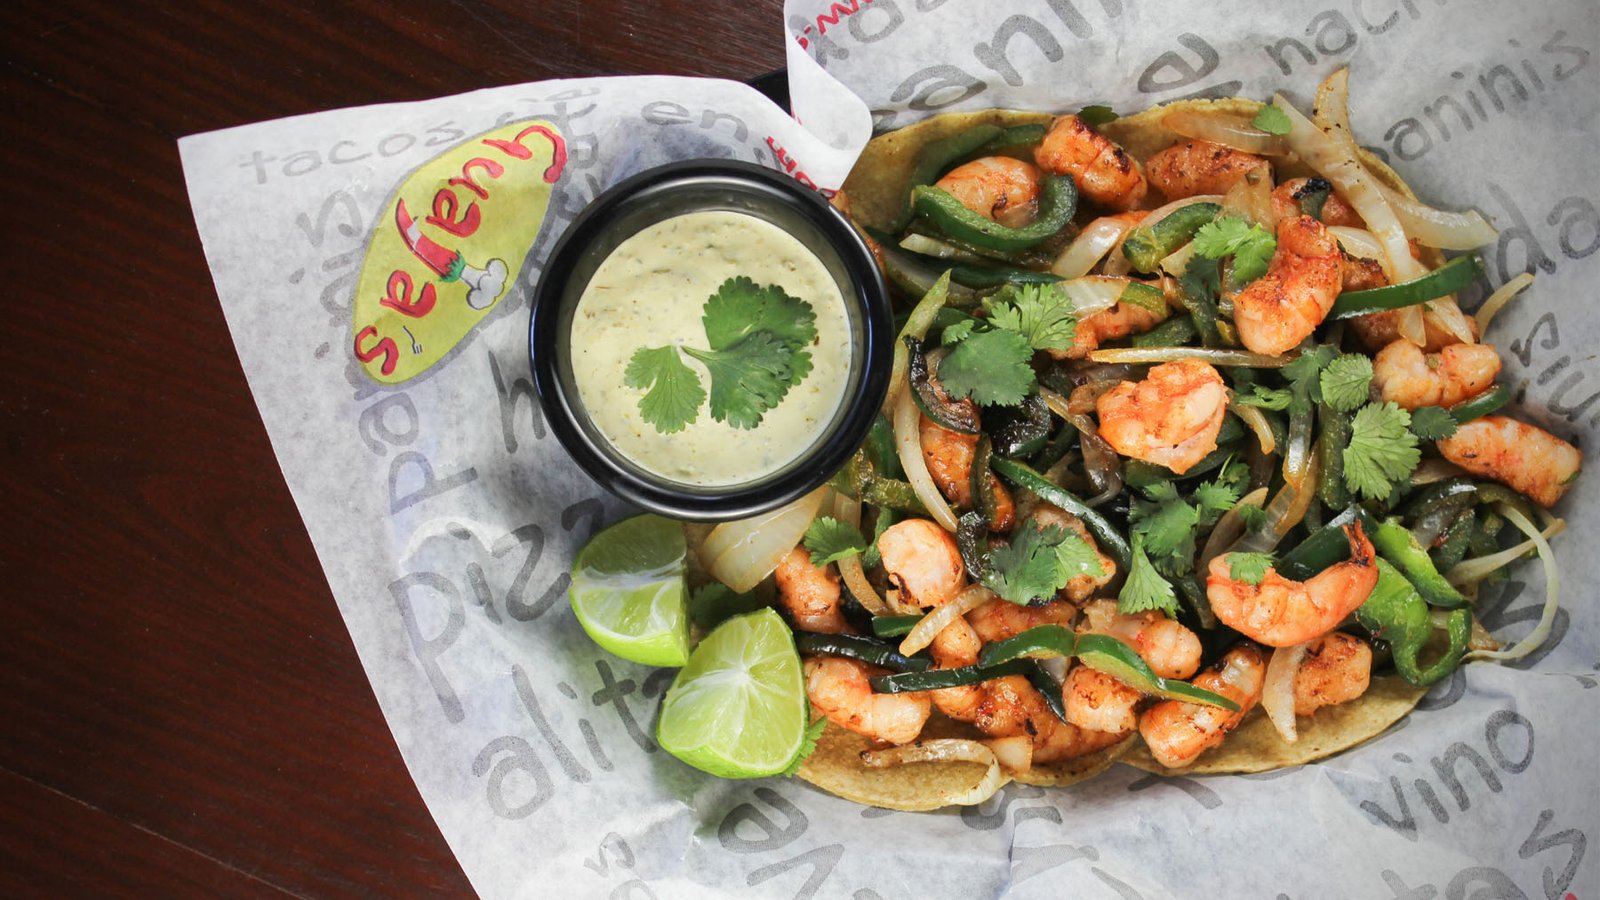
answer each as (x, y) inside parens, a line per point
(650, 292)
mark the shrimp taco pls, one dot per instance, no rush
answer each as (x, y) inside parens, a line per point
(1190, 458)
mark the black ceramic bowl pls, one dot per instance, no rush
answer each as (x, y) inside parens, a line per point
(677, 189)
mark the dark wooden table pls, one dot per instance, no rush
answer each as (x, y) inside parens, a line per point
(181, 709)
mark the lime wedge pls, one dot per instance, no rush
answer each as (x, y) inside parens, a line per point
(628, 592)
(738, 709)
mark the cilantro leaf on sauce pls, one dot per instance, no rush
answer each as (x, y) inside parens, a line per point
(672, 390)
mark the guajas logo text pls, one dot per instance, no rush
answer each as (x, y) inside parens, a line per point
(449, 246)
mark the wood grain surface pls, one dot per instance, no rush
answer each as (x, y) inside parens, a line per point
(181, 710)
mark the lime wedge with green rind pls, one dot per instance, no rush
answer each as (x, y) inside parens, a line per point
(738, 708)
(628, 591)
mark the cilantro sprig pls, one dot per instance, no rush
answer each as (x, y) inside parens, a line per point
(990, 358)
(1347, 381)
(1250, 245)
(758, 336)
(1382, 451)
(1039, 561)
(829, 540)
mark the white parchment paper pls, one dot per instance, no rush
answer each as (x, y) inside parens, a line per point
(446, 517)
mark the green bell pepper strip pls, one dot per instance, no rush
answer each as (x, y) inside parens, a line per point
(893, 626)
(938, 156)
(1396, 544)
(1456, 539)
(919, 275)
(1325, 547)
(1105, 534)
(1102, 653)
(1013, 136)
(1395, 613)
(1174, 332)
(880, 449)
(1482, 405)
(934, 679)
(1058, 201)
(865, 649)
(1443, 281)
(961, 418)
(1146, 246)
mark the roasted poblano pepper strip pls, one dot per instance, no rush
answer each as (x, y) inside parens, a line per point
(1455, 541)
(893, 626)
(1331, 489)
(1049, 687)
(985, 501)
(938, 156)
(999, 276)
(1019, 430)
(1136, 473)
(1105, 534)
(1325, 547)
(972, 541)
(1014, 136)
(934, 679)
(1058, 201)
(1481, 405)
(931, 399)
(1449, 278)
(1102, 653)
(1396, 544)
(858, 479)
(1174, 332)
(881, 452)
(1313, 195)
(1449, 496)
(917, 275)
(867, 650)
(1395, 613)
(1146, 246)
(1198, 296)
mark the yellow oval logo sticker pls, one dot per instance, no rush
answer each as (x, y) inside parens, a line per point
(450, 246)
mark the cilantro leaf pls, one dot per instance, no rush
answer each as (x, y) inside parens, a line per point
(991, 367)
(1272, 120)
(1214, 499)
(1305, 377)
(886, 518)
(1096, 115)
(1249, 568)
(1347, 381)
(1167, 527)
(1075, 557)
(830, 540)
(741, 308)
(748, 378)
(713, 602)
(673, 392)
(1432, 423)
(1250, 245)
(1382, 450)
(1254, 517)
(958, 332)
(1266, 398)
(1042, 313)
(1027, 568)
(1145, 589)
(808, 743)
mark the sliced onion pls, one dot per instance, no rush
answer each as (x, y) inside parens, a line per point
(1228, 129)
(1297, 456)
(1444, 315)
(1552, 590)
(1471, 571)
(1014, 753)
(1177, 262)
(739, 554)
(1277, 693)
(1331, 153)
(847, 509)
(1251, 197)
(1435, 469)
(1439, 228)
(1412, 325)
(1283, 513)
(945, 750)
(923, 633)
(908, 445)
(1227, 530)
(1117, 263)
(1214, 355)
(1099, 459)
(1256, 421)
(1497, 300)
(1357, 242)
(917, 325)
(1093, 293)
(1091, 245)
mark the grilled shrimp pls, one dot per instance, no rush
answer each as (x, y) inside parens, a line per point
(955, 646)
(810, 593)
(1081, 586)
(1335, 211)
(999, 619)
(1171, 649)
(1171, 418)
(1404, 374)
(923, 562)
(1280, 309)
(1198, 167)
(999, 188)
(1526, 458)
(1337, 668)
(1118, 321)
(1357, 273)
(1279, 612)
(1098, 702)
(1011, 706)
(1104, 172)
(1177, 732)
(838, 688)
(949, 456)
